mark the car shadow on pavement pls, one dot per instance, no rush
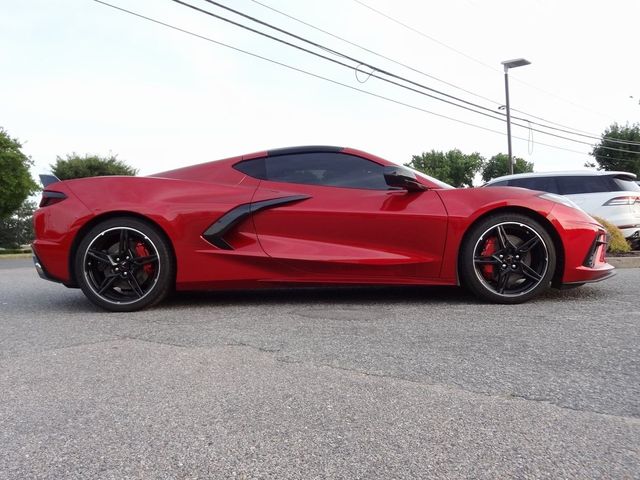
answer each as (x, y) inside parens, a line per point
(349, 295)
(322, 295)
(315, 296)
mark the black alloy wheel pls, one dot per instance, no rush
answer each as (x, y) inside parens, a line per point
(507, 258)
(124, 264)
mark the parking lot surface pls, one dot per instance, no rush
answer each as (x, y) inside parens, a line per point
(340, 383)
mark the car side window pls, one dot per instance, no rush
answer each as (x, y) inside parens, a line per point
(328, 169)
(544, 184)
(254, 168)
(572, 185)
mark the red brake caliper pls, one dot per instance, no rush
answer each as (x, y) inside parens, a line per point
(488, 250)
(142, 251)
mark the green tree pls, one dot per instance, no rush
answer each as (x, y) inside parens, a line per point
(17, 229)
(628, 159)
(16, 183)
(452, 167)
(498, 165)
(76, 166)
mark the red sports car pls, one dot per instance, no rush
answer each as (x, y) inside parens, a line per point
(307, 216)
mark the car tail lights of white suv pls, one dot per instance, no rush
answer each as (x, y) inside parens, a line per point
(614, 196)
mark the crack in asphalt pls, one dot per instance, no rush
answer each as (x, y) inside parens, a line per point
(456, 387)
(248, 345)
(53, 349)
(271, 351)
(156, 342)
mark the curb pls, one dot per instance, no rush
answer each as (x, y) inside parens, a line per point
(624, 262)
(15, 255)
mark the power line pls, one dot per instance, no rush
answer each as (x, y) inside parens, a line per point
(492, 114)
(480, 62)
(282, 64)
(311, 74)
(612, 140)
(409, 67)
(327, 79)
(566, 129)
(429, 37)
(551, 122)
(325, 48)
(361, 62)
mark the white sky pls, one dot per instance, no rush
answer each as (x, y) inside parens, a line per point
(79, 76)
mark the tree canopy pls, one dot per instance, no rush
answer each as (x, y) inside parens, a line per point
(17, 229)
(498, 165)
(625, 156)
(76, 166)
(16, 183)
(452, 167)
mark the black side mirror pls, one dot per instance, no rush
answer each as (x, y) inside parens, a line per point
(401, 177)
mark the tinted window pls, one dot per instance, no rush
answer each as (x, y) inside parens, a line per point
(585, 184)
(253, 168)
(327, 169)
(501, 183)
(544, 184)
(624, 184)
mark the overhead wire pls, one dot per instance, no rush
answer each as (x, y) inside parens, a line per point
(429, 37)
(552, 122)
(567, 129)
(361, 62)
(374, 69)
(480, 62)
(380, 55)
(325, 48)
(594, 137)
(320, 77)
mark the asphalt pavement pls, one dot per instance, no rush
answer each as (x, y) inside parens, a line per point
(340, 383)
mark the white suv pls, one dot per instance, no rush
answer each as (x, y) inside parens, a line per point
(614, 196)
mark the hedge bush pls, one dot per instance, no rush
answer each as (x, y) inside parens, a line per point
(617, 242)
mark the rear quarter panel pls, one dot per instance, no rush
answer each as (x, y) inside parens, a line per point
(183, 209)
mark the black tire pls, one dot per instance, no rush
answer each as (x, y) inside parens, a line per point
(124, 264)
(507, 258)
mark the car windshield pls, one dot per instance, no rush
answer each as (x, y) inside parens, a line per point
(430, 178)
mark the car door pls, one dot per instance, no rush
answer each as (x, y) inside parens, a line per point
(339, 221)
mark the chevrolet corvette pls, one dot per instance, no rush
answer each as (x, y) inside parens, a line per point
(307, 216)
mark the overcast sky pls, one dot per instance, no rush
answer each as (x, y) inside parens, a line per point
(78, 76)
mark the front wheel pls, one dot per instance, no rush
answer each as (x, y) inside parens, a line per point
(507, 258)
(124, 264)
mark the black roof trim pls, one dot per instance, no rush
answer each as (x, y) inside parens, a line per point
(307, 149)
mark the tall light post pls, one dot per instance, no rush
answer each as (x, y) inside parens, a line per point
(517, 62)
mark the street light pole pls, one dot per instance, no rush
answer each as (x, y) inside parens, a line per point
(518, 62)
(506, 92)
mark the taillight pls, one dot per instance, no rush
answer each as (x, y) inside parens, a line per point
(49, 198)
(629, 200)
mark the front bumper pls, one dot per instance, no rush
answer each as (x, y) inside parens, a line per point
(584, 247)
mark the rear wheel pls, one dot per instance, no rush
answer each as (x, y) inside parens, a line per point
(507, 258)
(124, 264)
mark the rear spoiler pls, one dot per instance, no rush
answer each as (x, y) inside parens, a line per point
(47, 180)
(621, 175)
(625, 176)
